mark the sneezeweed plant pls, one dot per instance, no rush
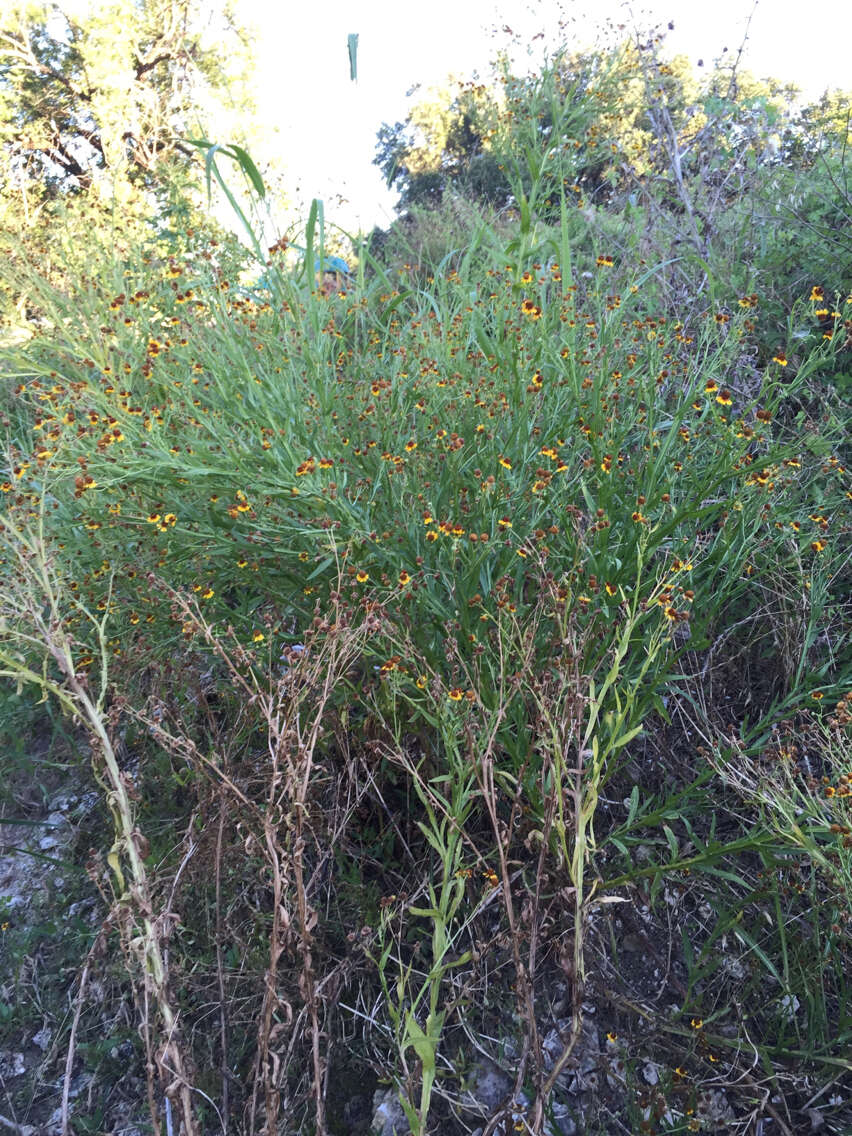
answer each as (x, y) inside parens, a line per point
(534, 491)
(451, 462)
(449, 476)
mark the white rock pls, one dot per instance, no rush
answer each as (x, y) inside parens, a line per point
(651, 1073)
(12, 1065)
(389, 1117)
(489, 1085)
(64, 802)
(789, 1004)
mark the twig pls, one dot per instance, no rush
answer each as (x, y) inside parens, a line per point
(78, 1009)
(223, 1013)
(11, 1126)
(43, 602)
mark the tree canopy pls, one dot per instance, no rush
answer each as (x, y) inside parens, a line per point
(105, 89)
(622, 113)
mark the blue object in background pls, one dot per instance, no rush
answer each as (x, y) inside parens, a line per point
(331, 264)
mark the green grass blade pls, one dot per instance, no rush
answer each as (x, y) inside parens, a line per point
(352, 47)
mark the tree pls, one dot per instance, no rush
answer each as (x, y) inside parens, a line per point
(96, 99)
(444, 143)
(474, 138)
(104, 95)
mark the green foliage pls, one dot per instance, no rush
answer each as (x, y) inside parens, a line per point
(444, 143)
(492, 144)
(93, 109)
(103, 94)
(723, 178)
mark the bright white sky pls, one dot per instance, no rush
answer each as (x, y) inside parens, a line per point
(324, 126)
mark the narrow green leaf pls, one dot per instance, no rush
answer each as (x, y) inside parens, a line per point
(320, 568)
(587, 497)
(628, 737)
(433, 839)
(209, 167)
(634, 805)
(352, 45)
(745, 937)
(308, 266)
(525, 214)
(426, 912)
(249, 169)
